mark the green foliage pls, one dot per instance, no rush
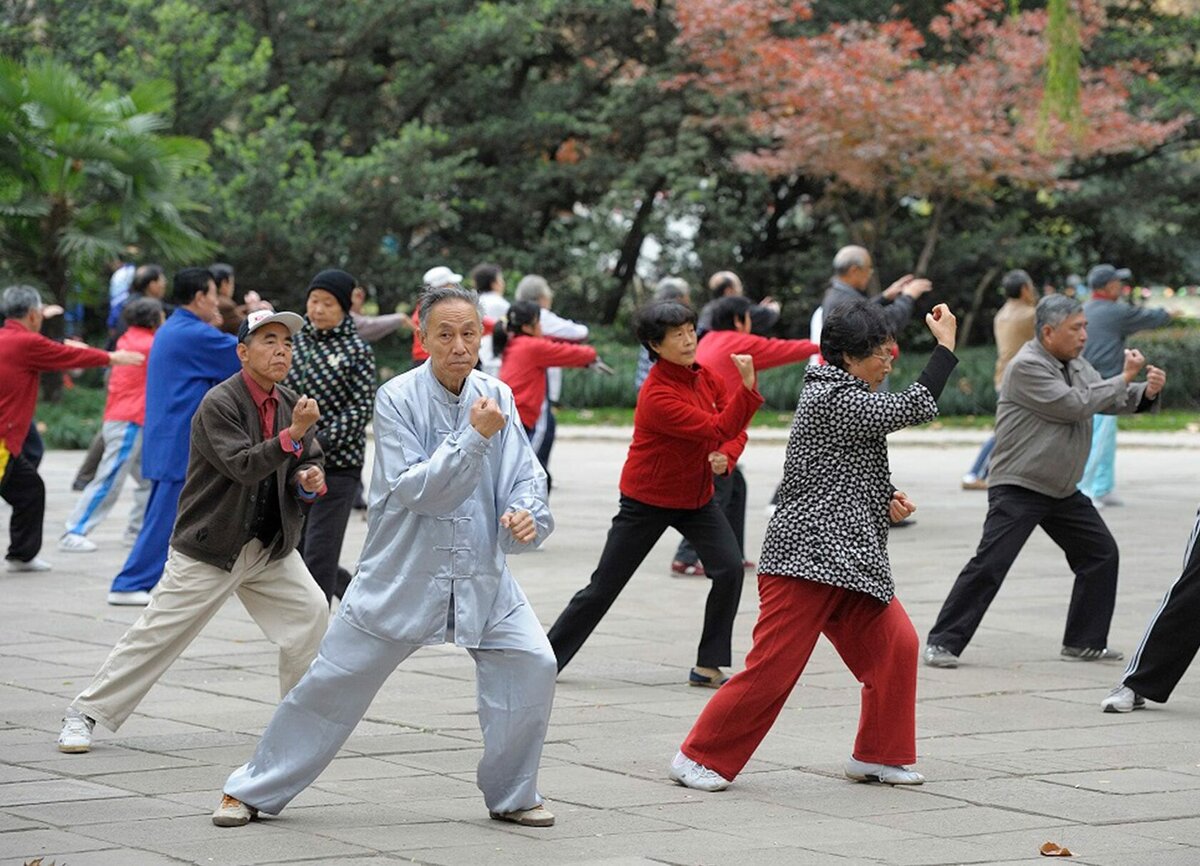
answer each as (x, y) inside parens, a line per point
(73, 421)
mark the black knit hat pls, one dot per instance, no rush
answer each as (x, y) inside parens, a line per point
(338, 283)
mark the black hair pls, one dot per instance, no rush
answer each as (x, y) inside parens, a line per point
(143, 313)
(520, 314)
(727, 311)
(855, 329)
(721, 286)
(654, 320)
(484, 276)
(1014, 282)
(144, 276)
(220, 272)
(190, 282)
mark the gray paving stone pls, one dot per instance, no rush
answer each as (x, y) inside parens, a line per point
(1013, 743)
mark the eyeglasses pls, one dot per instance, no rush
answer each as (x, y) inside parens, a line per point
(883, 357)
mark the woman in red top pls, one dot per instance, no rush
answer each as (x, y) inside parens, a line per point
(685, 428)
(525, 357)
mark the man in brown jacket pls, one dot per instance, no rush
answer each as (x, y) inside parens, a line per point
(253, 463)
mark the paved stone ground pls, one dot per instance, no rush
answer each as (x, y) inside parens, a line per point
(1014, 746)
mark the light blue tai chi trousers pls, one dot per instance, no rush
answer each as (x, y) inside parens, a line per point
(1099, 476)
(514, 670)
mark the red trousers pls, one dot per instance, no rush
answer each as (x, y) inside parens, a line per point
(877, 642)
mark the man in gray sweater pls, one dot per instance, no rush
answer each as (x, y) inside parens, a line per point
(1043, 430)
(1109, 322)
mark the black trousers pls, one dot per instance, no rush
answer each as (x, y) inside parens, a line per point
(1172, 638)
(22, 488)
(543, 449)
(635, 530)
(325, 528)
(729, 492)
(1074, 525)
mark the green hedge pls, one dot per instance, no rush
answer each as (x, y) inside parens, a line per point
(74, 420)
(969, 392)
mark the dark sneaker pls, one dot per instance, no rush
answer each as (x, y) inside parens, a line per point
(1091, 654)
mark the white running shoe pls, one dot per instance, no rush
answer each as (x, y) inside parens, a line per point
(688, 773)
(137, 598)
(1122, 699)
(35, 564)
(73, 542)
(76, 733)
(860, 771)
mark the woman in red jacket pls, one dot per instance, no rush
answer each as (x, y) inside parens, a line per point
(685, 428)
(525, 357)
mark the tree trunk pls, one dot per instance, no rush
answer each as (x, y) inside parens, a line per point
(55, 277)
(977, 303)
(631, 251)
(931, 239)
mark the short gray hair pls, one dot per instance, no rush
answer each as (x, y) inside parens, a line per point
(533, 288)
(17, 301)
(672, 289)
(1053, 310)
(431, 297)
(850, 257)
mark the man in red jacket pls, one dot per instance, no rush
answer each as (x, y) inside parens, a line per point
(731, 321)
(24, 353)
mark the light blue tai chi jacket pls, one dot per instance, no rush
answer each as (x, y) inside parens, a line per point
(438, 490)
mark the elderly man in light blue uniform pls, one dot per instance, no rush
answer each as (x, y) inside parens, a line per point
(455, 489)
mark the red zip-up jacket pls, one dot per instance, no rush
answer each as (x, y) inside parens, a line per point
(683, 414)
(524, 364)
(23, 355)
(127, 385)
(714, 350)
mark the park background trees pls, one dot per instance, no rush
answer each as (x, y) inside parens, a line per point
(576, 137)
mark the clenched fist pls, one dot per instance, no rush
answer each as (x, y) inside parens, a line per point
(719, 463)
(520, 524)
(304, 414)
(745, 368)
(1156, 378)
(942, 325)
(486, 417)
(311, 479)
(1134, 361)
(900, 507)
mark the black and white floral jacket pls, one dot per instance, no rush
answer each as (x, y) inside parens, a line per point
(831, 523)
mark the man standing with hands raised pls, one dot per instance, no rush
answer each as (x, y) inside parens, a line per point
(455, 488)
(254, 460)
(1043, 433)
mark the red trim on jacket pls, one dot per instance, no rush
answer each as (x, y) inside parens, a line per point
(683, 414)
(524, 364)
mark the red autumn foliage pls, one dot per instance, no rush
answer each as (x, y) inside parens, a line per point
(873, 108)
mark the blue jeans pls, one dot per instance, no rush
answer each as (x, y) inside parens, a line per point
(979, 469)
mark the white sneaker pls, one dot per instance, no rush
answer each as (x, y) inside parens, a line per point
(688, 773)
(137, 598)
(35, 564)
(73, 542)
(1122, 699)
(233, 813)
(889, 774)
(76, 733)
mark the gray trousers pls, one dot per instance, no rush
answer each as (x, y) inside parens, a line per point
(122, 458)
(514, 672)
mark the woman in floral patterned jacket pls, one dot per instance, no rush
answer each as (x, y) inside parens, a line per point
(824, 567)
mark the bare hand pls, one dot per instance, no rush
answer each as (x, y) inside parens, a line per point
(311, 479)
(942, 325)
(745, 368)
(486, 417)
(1134, 361)
(770, 303)
(893, 291)
(600, 367)
(125, 358)
(520, 524)
(1156, 378)
(900, 507)
(304, 414)
(51, 310)
(719, 463)
(917, 287)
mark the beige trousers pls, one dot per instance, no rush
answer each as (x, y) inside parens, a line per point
(281, 596)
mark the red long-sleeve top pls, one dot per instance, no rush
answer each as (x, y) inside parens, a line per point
(683, 414)
(23, 355)
(714, 350)
(524, 364)
(127, 385)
